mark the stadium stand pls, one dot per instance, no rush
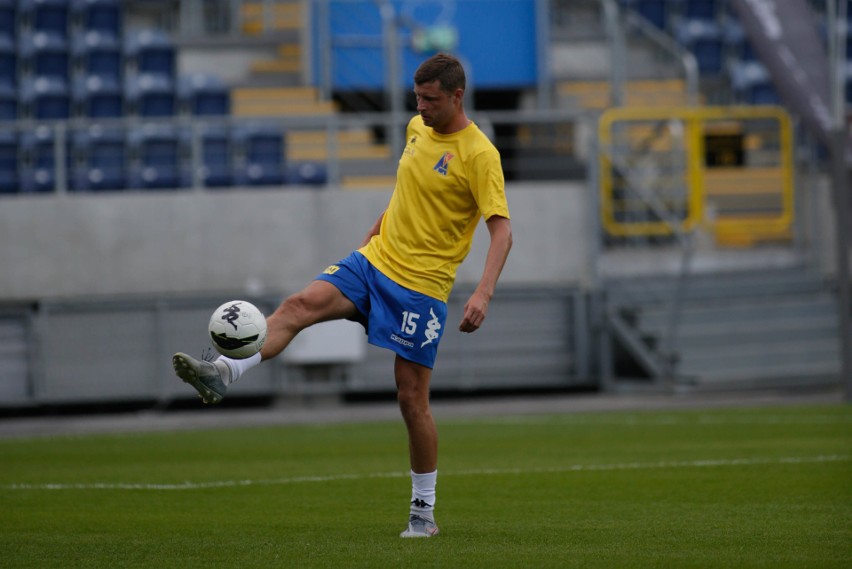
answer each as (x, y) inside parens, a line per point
(155, 156)
(215, 168)
(202, 94)
(37, 147)
(45, 54)
(45, 98)
(8, 162)
(150, 51)
(100, 159)
(259, 155)
(98, 96)
(8, 102)
(150, 95)
(8, 61)
(45, 16)
(103, 16)
(97, 53)
(8, 18)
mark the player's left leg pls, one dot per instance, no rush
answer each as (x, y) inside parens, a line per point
(412, 381)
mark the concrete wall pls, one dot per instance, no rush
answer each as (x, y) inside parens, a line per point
(259, 240)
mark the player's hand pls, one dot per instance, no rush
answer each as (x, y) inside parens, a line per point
(474, 313)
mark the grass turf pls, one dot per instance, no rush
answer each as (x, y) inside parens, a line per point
(768, 487)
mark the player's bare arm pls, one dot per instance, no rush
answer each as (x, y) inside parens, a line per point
(476, 308)
(374, 230)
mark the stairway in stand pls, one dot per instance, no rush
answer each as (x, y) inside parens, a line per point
(277, 89)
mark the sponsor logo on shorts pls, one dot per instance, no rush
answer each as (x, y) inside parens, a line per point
(331, 270)
(432, 328)
(402, 341)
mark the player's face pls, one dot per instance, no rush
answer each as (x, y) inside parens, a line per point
(437, 107)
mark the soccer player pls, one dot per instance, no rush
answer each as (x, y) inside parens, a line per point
(397, 283)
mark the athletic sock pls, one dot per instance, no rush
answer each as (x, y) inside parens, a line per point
(237, 367)
(423, 491)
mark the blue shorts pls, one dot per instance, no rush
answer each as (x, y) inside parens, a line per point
(399, 319)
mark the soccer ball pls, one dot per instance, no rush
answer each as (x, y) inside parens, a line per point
(237, 329)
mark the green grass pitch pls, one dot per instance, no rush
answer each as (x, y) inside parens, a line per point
(762, 487)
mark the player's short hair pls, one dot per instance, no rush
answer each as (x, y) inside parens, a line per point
(444, 68)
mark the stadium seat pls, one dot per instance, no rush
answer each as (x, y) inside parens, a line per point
(155, 157)
(701, 9)
(752, 84)
(8, 103)
(704, 39)
(655, 11)
(98, 97)
(8, 18)
(151, 51)
(45, 98)
(150, 95)
(8, 162)
(45, 15)
(260, 149)
(102, 157)
(202, 94)
(8, 62)
(216, 148)
(98, 53)
(45, 54)
(38, 153)
(307, 174)
(98, 15)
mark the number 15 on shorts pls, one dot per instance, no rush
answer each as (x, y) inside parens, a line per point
(409, 322)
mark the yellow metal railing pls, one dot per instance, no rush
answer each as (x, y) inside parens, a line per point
(726, 169)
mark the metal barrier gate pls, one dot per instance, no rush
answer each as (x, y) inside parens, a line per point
(667, 171)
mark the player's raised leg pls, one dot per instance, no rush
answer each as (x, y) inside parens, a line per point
(412, 381)
(318, 302)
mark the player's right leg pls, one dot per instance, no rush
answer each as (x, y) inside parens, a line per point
(318, 302)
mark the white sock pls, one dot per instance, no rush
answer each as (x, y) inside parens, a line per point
(423, 490)
(238, 367)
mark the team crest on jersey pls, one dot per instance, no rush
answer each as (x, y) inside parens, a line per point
(443, 164)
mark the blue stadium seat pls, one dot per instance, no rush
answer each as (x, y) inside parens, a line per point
(8, 62)
(98, 15)
(8, 18)
(150, 95)
(705, 40)
(98, 53)
(98, 97)
(260, 149)
(8, 162)
(156, 156)
(752, 84)
(700, 9)
(8, 103)
(307, 174)
(216, 159)
(151, 51)
(45, 15)
(45, 98)
(102, 158)
(202, 94)
(45, 54)
(655, 11)
(38, 152)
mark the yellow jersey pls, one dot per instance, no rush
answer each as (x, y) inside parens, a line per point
(444, 184)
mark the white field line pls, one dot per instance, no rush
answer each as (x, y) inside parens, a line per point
(674, 420)
(474, 472)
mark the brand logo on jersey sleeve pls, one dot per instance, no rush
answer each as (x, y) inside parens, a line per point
(444, 163)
